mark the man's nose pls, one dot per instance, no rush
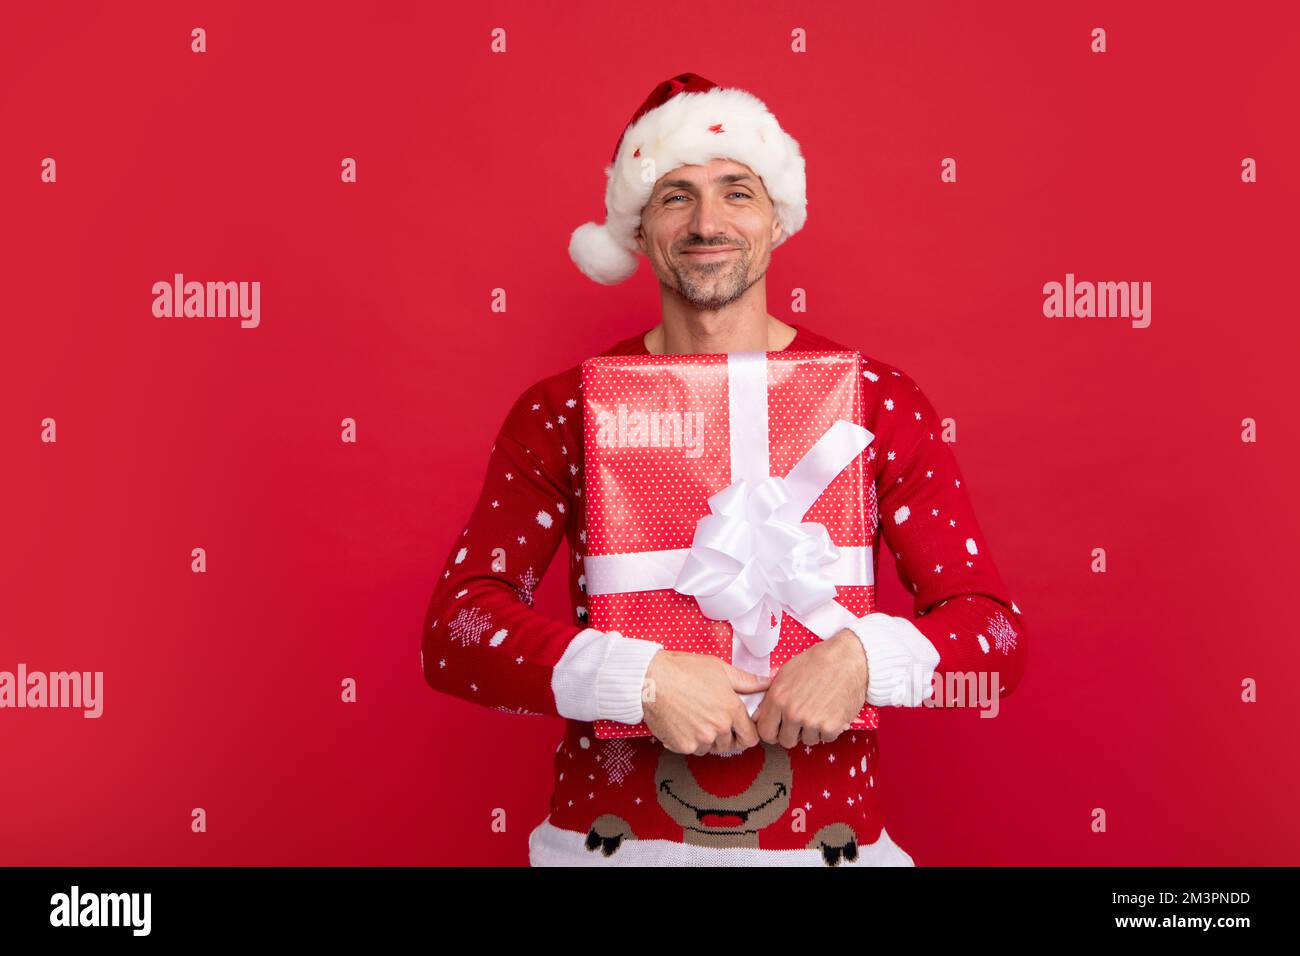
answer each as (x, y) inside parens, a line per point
(709, 218)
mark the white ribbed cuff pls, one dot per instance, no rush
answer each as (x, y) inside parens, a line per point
(622, 678)
(900, 660)
(601, 675)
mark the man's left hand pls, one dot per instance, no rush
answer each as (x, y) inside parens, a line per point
(816, 693)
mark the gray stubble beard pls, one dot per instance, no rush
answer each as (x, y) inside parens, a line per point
(734, 285)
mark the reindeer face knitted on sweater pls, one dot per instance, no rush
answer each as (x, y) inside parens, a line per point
(699, 794)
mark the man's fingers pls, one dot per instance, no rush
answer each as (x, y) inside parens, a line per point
(789, 733)
(724, 742)
(747, 734)
(742, 725)
(767, 721)
(743, 682)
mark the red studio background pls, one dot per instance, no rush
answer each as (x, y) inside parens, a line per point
(221, 690)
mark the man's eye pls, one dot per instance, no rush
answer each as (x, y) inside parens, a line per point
(741, 194)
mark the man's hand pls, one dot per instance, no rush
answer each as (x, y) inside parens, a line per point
(815, 694)
(692, 705)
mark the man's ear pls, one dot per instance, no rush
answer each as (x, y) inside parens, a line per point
(776, 230)
(640, 240)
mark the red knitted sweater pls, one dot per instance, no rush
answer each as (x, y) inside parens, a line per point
(631, 801)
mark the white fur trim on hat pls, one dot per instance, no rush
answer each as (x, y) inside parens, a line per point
(689, 129)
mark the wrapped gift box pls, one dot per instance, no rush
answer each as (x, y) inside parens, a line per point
(725, 505)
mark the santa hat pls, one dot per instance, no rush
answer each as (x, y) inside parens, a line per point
(687, 121)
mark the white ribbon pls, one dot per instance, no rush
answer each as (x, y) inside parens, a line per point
(753, 559)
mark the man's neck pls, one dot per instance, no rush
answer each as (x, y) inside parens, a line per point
(714, 332)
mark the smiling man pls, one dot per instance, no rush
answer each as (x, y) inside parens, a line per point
(705, 184)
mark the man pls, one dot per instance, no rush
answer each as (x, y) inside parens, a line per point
(706, 184)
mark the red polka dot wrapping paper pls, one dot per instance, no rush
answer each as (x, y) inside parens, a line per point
(646, 488)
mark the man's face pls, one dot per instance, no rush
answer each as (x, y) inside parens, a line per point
(709, 231)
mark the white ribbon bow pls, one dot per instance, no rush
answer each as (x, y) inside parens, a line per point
(749, 563)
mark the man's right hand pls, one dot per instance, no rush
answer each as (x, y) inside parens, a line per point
(692, 705)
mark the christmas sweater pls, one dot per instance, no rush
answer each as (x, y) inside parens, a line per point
(631, 801)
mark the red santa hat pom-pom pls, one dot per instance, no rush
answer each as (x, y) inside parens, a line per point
(600, 256)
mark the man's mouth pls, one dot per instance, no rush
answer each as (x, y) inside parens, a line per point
(708, 253)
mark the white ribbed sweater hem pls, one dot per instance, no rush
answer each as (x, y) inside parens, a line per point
(549, 845)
